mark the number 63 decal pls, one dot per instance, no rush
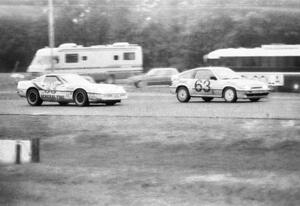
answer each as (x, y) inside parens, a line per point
(202, 85)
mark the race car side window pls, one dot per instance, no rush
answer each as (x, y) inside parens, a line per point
(205, 74)
(49, 80)
(188, 75)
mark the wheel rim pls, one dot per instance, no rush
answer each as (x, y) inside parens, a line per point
(80, 98)
(32, 97)
(109, 80)
(182, 95)
(229, 95)
(141, 84)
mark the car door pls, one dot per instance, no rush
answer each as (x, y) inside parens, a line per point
(204, 83)
(49, 88)
(160, 77)
(156, 78)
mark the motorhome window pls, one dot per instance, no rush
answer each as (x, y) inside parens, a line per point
(56, 59)
(84, 58)
(129, 56)
(71, 58)
(116, 57)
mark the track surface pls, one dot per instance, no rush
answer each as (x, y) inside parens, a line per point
(163, 104)
(152, 150)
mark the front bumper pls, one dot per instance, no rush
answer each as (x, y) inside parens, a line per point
(172, 89)
(252, 94)
(21, 92)
(95, 97)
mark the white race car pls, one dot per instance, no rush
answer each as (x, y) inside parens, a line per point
(216, 82)
(66, 88)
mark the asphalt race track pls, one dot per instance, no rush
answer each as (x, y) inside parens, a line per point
(163, 104)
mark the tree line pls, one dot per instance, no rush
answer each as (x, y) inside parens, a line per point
(172, 33)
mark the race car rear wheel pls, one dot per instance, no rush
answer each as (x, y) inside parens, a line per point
(33, 97)
(254, 99)
(207, 99)
(229, 94)
(183, 94)
(81, 98)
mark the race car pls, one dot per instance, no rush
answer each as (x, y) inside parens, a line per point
(67, 88)
(155, 76)
(216, 82)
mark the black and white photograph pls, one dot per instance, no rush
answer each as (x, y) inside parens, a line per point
(149, 102)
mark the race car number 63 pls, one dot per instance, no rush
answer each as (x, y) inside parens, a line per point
(202, 85)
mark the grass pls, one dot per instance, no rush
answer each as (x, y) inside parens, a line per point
(98, 160)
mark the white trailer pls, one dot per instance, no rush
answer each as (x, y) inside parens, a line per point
(102, 62)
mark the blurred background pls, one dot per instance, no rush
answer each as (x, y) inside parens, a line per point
(172, 33)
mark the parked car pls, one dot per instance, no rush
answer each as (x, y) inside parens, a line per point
(216, 82)
(67, 88)
(155, 76)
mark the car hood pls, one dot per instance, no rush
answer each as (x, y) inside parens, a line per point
(248, 83)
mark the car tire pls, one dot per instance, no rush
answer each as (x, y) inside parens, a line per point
(81, 98)
(229, 95)
(207, 99)
(140, 84)
(33, 97)
(110, 79)
(63, 103)
(183, 94)
(254, 99)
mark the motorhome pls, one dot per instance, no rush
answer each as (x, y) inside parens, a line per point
(276, 64)
(102, 62)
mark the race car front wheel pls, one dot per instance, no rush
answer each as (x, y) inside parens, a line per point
(81, 98)
(183, 94)
(229, 95)
(33, 97)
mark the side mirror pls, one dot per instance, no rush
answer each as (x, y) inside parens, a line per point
(213, 78)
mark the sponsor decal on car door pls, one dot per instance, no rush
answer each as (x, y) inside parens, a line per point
(49, 88)
(203, 83)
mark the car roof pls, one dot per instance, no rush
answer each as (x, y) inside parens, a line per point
(60, 74)
(163, 68)
(212, 68)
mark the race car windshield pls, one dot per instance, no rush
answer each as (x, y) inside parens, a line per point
(74, 79)
(227, 74)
